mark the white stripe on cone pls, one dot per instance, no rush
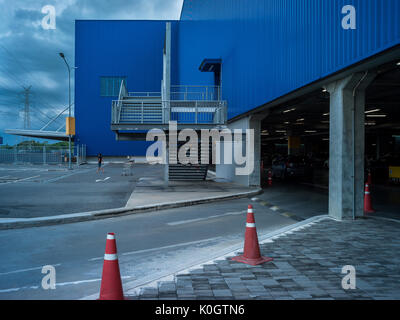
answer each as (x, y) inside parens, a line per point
(110, 237)
(250, 225)
(110, 257)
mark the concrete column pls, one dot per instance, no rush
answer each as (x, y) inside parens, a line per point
(165, 161)
(378, 147)
(228, 171)
(347, 146)
(167, 62)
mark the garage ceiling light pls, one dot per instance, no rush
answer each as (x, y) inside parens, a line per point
(398, 63)
(280, 131)
(376, 115)
(299, 120)
(326, 114)
(289, 110)
(372, 111)
(370, 123)
(310, 131)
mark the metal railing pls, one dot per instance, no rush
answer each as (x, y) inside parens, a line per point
(144, 94)
(197, 112)
(195, 92)
(116, 107)
(144, 112)
(188, 104)
(42, 155)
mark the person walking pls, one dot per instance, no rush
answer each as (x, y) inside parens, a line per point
(99, 162)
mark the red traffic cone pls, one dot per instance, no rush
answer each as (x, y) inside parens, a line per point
(270, 178)
(367, 201)
(251, 251)
(111, 284)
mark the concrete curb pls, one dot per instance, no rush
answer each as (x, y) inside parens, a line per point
(18, 223)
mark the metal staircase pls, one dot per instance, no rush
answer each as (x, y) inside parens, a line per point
(141, 110)
(194, 107)
(193, 172)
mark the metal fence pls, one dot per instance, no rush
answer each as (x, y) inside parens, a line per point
(43, 155)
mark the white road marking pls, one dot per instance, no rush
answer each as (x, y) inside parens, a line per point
(17, 289)
(275, 208)
(105, 179)
(175, 223)
(57, 284)
(20, 180)
(25, 270)
(161, 248)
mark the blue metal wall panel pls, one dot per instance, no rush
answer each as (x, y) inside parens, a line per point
(268, 48)
(114, 48)
(272, 47)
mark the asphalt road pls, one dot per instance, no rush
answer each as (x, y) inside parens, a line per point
(36, 191)
(149, 245)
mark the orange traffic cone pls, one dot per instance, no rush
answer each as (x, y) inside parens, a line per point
(251, 253)
(367, 201)
(111, 284)
(270, 178)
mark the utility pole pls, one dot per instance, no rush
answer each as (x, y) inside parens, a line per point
(69, 106)
(27, 119)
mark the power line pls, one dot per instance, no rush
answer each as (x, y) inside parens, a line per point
(26, 71)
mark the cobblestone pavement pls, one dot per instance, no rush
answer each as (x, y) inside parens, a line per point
(307, 265)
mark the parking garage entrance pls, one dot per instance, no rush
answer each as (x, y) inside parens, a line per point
(296, 146)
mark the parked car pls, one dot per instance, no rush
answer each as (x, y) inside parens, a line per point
(291, 167)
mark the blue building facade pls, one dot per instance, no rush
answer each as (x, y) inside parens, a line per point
(268, 48)
(111, 50)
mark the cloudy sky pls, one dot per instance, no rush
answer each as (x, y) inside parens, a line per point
(29, 53)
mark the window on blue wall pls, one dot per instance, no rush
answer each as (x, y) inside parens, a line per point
(109, 86)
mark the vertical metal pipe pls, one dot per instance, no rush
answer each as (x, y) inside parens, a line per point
(354, 144)
(196, 110)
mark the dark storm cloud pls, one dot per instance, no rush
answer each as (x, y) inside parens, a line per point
(29, 54)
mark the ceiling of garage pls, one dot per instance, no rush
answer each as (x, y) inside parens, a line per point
(308, 116)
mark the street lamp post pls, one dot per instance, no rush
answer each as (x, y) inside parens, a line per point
(69, 107)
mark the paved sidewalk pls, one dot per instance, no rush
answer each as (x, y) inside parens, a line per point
(307, 265)
(153, 190)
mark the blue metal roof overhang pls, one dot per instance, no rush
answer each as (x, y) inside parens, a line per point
(210, 65)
